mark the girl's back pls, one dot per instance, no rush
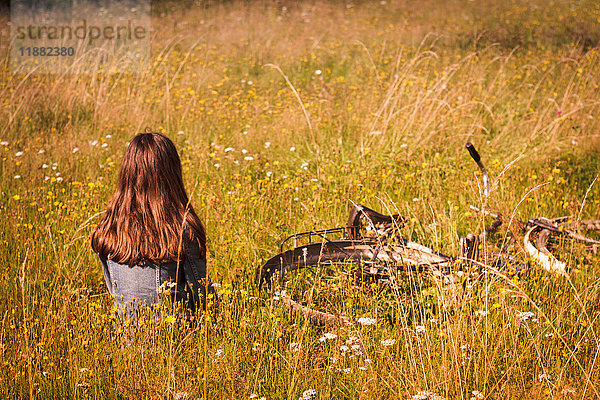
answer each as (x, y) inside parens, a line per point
(150, 241)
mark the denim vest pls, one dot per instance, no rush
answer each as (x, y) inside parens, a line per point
(143, 285)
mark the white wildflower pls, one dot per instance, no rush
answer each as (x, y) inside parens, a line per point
(525, 315)
(426, 395)
(388, 342)
(328, 336)
(267, 145)
(18, 154)
(295, 347)
(308, 394)
(292, 148)
(420, 329)
(318, 72)
(367, 321)
(228, 149)
(477, 395)
(248, 158)
(76, 149)
(352, 339)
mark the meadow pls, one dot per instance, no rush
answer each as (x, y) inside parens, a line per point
(284, 113)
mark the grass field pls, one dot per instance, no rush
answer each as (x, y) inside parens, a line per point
(388, 93)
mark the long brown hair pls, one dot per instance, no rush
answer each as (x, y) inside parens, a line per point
(149, 210)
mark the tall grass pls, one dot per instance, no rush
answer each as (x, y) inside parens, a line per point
(385, 94)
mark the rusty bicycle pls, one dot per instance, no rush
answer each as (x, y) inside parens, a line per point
(370, 257)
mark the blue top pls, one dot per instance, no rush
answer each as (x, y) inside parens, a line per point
(145, 284)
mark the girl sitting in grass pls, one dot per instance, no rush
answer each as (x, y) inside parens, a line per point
(150, 241)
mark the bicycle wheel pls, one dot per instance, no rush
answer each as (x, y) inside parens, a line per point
(558, 244)
(373, 258)
(334, 278)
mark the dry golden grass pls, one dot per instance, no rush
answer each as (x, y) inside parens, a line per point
(385, 94)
